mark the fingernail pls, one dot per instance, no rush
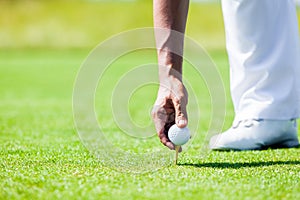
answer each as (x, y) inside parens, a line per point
(181, 122)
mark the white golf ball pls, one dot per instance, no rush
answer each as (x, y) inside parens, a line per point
(179, 136)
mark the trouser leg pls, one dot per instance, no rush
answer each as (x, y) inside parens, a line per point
(263, 48)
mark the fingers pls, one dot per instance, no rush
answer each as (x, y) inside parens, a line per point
(180, 112)
(161, 121)
(160, 118)
(165, 141)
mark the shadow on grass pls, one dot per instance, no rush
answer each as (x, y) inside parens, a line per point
(224, 165)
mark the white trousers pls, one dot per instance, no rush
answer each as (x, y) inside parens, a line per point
(263, 47)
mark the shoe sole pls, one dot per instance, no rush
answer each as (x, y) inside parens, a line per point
(285, 145)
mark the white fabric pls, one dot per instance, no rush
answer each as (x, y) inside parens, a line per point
(263, 48)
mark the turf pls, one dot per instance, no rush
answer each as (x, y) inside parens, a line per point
(42, 156)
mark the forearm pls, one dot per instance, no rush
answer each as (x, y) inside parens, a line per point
(170, 21)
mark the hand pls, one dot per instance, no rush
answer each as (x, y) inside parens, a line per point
(170, 108)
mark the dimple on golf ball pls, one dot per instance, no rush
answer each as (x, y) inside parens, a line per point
(178, 136)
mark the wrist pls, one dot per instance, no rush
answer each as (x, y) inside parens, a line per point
(168, 73)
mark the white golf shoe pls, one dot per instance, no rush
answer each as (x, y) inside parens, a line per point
(256, 135)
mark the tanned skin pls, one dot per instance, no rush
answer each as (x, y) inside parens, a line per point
(170, 106)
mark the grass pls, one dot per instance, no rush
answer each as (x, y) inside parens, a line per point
(43, 44)
(42, 156)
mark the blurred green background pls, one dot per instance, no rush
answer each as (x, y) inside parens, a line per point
(83, 24)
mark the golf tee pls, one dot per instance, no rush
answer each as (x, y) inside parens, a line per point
(176, 153)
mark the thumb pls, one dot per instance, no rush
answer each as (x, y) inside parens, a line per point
(180, 113)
